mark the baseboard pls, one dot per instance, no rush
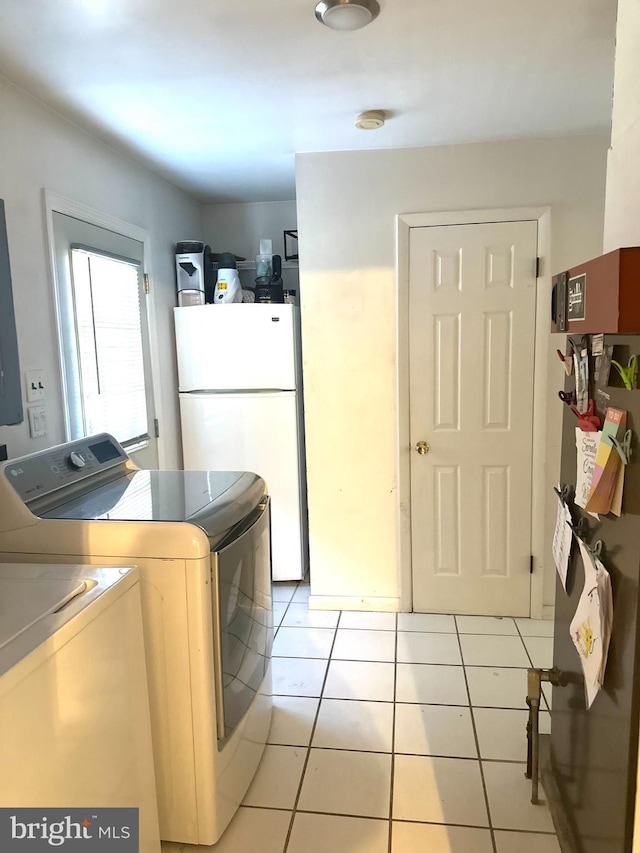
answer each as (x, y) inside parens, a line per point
(348, 602)
(548, 611)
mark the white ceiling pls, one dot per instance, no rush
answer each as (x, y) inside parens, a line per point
(218, 95)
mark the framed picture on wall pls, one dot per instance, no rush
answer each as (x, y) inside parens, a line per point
(291, 245)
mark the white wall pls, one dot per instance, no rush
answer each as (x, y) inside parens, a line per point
(239, 227)
(39, 149)
(347, 203)
(622, 210)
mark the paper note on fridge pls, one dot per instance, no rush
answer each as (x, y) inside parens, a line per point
(591, 626)
(562, 541)
(587, 446)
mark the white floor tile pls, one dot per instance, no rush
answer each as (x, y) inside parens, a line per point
(298, 676)
(510, 799)
(434, 730)
(292, 720)
(364, 645)
(275, 785)
(299, 616)
(348, 783)
(507, 842)
(279, 608)
(479, 650)
(434, 622)
(535, 627)
(486, 625)
(302, 593)
(438, 790)
(321, 833)
(368, 621)
(428, 648)
(438, 685)
(283, 591)
(497, 687)
(540, 651)
(423, 837)
(252, 831)
(360, 680)
(502, 735)
(303, 642)
(349, 724)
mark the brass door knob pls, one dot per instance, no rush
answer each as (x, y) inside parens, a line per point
(422, 447)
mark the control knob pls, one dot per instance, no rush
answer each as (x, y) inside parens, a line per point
(77, 460)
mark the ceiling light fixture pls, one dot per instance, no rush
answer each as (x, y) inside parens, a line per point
(371, 120)
(347, 14)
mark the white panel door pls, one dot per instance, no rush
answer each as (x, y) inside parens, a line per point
(236, 347)
(257, 433)
(472, 327)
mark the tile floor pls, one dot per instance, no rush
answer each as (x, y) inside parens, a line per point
(394, 734)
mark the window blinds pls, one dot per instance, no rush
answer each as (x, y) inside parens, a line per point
(106, 294)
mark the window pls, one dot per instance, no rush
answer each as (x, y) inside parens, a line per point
(104, 335)
(112, 397)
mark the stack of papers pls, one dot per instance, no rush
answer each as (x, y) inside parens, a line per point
(587, 445)
(562, 539)
(605, 484)
(590, 628)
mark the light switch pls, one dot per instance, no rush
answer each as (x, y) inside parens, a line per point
(34, 380)
(37, 421)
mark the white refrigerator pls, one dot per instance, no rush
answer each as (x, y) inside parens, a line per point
(239, 377)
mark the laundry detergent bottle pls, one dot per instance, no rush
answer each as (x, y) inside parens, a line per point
(228, 287)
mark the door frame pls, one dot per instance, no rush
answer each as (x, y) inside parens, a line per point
(404, 224)
(53, 202)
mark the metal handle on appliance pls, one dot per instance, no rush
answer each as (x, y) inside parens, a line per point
(422, 447)
(250, 530)
(218, 682)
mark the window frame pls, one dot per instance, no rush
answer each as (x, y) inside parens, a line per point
(54, 203)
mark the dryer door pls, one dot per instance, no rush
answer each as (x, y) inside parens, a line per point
(242, 618)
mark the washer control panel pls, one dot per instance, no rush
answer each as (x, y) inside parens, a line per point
(45, 472)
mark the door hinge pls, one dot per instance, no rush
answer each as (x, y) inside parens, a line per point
(531, 564)
(156, 427)
(537, 267)
(147, 284)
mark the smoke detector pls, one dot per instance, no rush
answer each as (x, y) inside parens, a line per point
(347, 14)
(371, 120)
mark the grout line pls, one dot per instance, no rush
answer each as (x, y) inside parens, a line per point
(308, 755)
(405, 663)
(393, 737)
(275, 630)
(475, 735)
(526, 650)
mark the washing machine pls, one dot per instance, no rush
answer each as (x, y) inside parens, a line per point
(201, 541)
(74, 707)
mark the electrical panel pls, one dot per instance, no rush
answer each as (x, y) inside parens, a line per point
(10, 386)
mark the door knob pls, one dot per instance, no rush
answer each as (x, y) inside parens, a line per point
(422, 447)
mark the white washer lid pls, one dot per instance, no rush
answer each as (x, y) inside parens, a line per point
(24, 601)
